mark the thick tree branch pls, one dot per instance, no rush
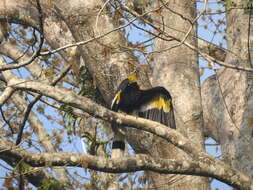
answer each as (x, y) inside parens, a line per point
(36, 123)
(37, 98)
(37, 178)
(126, 164)
(212, 108)
(6, 95)
(37, 52)
(63, 95)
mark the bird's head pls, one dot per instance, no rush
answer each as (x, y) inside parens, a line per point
(129, 83)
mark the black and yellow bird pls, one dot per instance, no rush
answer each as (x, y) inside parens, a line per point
(154, 104)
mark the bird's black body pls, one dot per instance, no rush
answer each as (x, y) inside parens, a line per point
(129, 96)
(154, 104)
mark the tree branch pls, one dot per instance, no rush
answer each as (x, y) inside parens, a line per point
(6, 95)
(126, 164)
(35, 123)
(215, 166)
(38, 178)
(37, 98)
(203, 54)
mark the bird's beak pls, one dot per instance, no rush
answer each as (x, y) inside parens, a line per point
(115, 101)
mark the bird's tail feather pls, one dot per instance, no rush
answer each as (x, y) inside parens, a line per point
(118, 149)
(118, 145)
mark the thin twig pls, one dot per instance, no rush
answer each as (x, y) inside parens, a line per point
(87, 41)
(34, 101)
(100, 11)
(37, 53)
(6, 121)
(96, 37)
(249, 52)
(29, 107)
(204, 55)
(192, 25)
(177, 13)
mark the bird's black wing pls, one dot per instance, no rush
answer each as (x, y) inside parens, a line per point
(156, 104)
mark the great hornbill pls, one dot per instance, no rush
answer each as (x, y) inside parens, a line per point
(154, 104)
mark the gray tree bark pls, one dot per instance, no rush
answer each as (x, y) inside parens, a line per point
(178, 70)
(228, 96)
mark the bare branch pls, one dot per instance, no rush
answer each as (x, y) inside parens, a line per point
(6, 121)
(6, 95)
(18, 65)
(38, 127)
(126, 164)
(172, 136)
(90, 40)
(37, 178)
(37, 53)
(100, 11)
(191, 27)
(37, 98)
(204, 55)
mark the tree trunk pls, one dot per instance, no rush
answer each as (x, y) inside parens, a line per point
(231, 95)
(177, 69)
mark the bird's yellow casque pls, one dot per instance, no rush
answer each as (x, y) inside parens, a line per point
(132, 78)
(154, 104)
